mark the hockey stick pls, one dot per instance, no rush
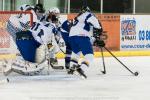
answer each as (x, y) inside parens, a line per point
(59, 46)
(134, 73)
(50, 64)
(56, 67)
(104, 71)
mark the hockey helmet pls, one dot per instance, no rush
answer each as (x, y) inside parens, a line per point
(25, 7)
(53, 14)
(85, 9)
(54, 10)
(39, 8)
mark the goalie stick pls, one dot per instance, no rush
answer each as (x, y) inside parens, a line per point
(54, 66)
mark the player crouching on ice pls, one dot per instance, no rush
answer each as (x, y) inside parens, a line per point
(53, 15)
(32, 44)
(79, 38)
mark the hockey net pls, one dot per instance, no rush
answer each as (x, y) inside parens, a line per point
(8, 48)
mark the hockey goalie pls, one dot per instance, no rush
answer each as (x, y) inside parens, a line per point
(33, 44)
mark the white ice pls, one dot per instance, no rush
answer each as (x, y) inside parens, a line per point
(116, 84)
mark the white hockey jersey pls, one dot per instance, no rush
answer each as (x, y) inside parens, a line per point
(83, 23)
(43, 33)
(22, 21)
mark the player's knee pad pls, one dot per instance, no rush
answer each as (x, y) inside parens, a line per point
(40, 54)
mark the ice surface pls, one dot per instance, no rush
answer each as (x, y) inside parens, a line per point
(116, 84)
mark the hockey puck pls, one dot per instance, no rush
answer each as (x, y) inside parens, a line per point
(136, 73)
(7, 80)
(4, 81)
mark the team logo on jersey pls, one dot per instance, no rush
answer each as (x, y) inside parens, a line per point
(128, 29)
(25, 25)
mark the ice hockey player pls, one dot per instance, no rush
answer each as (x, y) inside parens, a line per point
(53, 15)
(19, 23)
(79, 38)
(39, 36)
(65, 29)
(62, 34)
(33, 45)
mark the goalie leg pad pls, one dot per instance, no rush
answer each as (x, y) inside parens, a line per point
(40, 54)
(26, 68)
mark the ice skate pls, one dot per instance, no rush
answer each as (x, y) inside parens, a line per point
(71, 69)
(77, 69)
(7, 68)
(80, 71)
(67, 67)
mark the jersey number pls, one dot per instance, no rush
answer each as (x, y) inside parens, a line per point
(75, 22)
(35, 27)
(86, 25)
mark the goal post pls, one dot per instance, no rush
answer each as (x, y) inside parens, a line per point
(7, 46)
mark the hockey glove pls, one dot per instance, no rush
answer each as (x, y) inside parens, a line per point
(100, 43)
(49, 45)
(97, 32)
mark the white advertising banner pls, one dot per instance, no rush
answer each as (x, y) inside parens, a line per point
(135, 32)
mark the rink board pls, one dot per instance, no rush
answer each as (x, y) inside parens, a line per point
(96, 54)
(122, 40)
